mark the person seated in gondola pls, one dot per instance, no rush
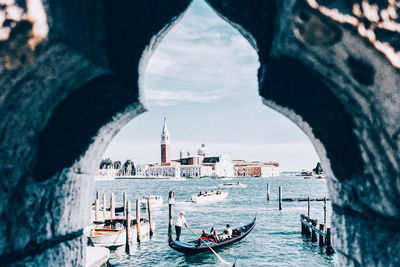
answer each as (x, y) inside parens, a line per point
(218, 191)
(224, 235)
(235, 232)
(204, 234)
(215, 236)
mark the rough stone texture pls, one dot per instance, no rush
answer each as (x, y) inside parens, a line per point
(70, 79)
(330, 75)
(63, 97)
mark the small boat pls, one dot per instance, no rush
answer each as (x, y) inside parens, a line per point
(197, 246)
(209, 197)
(156, 201)
(113, 234)
(238, 184)
(226, 178)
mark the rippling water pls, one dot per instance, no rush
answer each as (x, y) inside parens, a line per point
(276, 239)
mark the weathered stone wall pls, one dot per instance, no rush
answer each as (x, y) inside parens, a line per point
(70, 79)
(334, 70)
(67, 87)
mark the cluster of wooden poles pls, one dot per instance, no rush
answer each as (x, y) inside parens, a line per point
(293, 199)
(126, 209)
(309, 229)
(308, 225)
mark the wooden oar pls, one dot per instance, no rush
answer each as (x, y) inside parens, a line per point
(218, 256)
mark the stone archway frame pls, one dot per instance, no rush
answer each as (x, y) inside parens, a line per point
(348, 105)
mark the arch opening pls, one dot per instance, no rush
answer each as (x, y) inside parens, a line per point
(366, 178)
(183, 83)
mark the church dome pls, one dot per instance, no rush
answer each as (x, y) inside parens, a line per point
(202, 150)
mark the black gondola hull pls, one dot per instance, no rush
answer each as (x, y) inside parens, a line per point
(193, 247)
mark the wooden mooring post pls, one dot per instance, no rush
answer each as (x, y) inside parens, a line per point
(104, 207)
(324, 210)
(112, 207)
(329, 249)
(149, 214)
(309, 206)
(138, 220)
(97, 194)
(321, 237)
(268, 191)
(303, 227)
(128, 226)
(124, 200)
(313, 232)
(309, 229)
(280, 198)
(96, 210)
(171, 202)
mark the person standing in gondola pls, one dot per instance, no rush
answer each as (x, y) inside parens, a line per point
(181, 221)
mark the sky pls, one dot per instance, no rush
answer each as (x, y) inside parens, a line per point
(203, 78)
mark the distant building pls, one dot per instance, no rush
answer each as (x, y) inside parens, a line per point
(195, 171)
(256, 169)
(270, 170)
(165, 144)
(142, 169)
(163, 171)
(203, 164)
(109, 173)
(224, 167)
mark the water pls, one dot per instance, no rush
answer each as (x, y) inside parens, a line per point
(276, 239)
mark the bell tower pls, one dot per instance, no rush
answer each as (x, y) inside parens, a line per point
(165, 144)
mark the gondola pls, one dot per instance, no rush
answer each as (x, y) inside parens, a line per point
(196, 246)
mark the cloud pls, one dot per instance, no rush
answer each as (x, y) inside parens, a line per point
(202, 59)
(171, 97)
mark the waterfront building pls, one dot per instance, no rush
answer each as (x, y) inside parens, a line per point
(164, 171)
(256, 169)
(196, 171)
(203, 164)
(224, 167)
(270, 170)
(202, 151)
(107, 173)
(165, 144)
(142, 169)
(191, 160)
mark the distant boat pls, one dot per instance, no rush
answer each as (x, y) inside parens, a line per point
(226, 178)
(197, 246)
(209, 197)
(156, 201)
(238, 184)
(113, 234)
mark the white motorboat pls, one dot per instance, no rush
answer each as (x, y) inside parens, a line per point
(235, 185)
(156, 201)
(209, 197)
(115, 234)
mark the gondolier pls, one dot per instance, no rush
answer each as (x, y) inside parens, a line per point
(180, 221)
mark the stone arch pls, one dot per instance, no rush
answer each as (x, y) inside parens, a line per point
(47, 134)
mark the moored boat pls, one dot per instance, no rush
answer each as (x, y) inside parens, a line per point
(238, 184)
(156, 201)
(113, 234)
(197, 246)
(209, 197)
